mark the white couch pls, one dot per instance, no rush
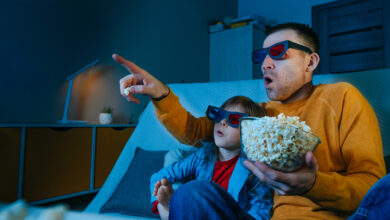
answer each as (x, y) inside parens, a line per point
(151, 135)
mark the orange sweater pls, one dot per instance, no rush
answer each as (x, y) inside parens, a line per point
(350, 155)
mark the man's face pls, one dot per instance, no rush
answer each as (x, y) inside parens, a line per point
(283, 77)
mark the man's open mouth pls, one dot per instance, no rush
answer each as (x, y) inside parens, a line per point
(267, 80)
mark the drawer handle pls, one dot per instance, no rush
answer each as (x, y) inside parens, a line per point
(61, 128)
(119, 128)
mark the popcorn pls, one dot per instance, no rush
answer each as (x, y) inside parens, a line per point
(281, 142)
(127, 91)
(55, 213)
(15, 211)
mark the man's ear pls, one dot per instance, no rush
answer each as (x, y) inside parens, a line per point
(314, 61)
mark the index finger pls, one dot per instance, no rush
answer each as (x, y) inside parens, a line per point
(130, 66)
(119, 59)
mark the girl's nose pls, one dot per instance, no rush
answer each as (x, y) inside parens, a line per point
(224, 122)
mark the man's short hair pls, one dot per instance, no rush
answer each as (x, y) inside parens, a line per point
(305, 32)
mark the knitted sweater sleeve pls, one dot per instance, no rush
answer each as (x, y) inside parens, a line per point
(182, 124)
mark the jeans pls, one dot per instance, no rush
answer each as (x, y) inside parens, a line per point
(204, 200)
(376, 203)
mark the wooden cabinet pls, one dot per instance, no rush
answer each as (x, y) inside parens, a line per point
(354, 35)
(9, 163)
(109, 144)
(43, 163)
(56, 160)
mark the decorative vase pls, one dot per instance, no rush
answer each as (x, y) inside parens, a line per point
(105, 118)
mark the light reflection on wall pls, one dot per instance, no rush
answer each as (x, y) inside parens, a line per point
(99, 87)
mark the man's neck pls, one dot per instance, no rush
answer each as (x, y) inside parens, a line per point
(301, 93)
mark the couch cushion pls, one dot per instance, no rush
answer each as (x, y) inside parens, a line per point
(132, 195)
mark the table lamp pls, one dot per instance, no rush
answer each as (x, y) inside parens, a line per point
(64, 119)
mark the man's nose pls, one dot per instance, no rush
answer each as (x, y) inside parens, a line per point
(268, 63)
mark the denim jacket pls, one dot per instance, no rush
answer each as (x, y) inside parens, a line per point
(252, 196)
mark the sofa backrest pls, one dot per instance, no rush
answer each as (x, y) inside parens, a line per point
(195, 97)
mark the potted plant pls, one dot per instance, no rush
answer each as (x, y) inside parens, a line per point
(105, 117)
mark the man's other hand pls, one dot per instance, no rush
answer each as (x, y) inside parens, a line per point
(292, 183)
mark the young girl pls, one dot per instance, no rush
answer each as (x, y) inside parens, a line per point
(218, 163)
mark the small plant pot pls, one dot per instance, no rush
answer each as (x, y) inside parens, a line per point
(105, 118)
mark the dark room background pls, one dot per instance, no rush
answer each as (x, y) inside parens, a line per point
(44, 42)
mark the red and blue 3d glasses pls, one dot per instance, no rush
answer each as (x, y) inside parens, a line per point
(216, 114)
(277, 51)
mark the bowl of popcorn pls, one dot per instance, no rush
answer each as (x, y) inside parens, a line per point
(281, 142)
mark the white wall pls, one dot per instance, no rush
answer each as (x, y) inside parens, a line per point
(280, 11)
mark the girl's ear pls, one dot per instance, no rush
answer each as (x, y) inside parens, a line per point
(314, 61)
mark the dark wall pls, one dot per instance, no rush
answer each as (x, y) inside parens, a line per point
(43, 43)
(280, 11)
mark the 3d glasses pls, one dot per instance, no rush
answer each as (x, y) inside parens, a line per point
(276, 51)
(216, 114)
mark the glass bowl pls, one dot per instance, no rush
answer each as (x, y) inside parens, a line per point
(281, 146)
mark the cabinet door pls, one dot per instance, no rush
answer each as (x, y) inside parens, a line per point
(57, 162)
(109, 144)
(231, 54)
(9, 163)
(353, 35)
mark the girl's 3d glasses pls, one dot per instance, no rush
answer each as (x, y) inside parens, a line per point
(216, 114)
(277, 51)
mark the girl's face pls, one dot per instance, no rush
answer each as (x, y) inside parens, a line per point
(225, 136)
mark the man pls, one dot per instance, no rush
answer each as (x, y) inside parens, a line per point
(343, 167)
